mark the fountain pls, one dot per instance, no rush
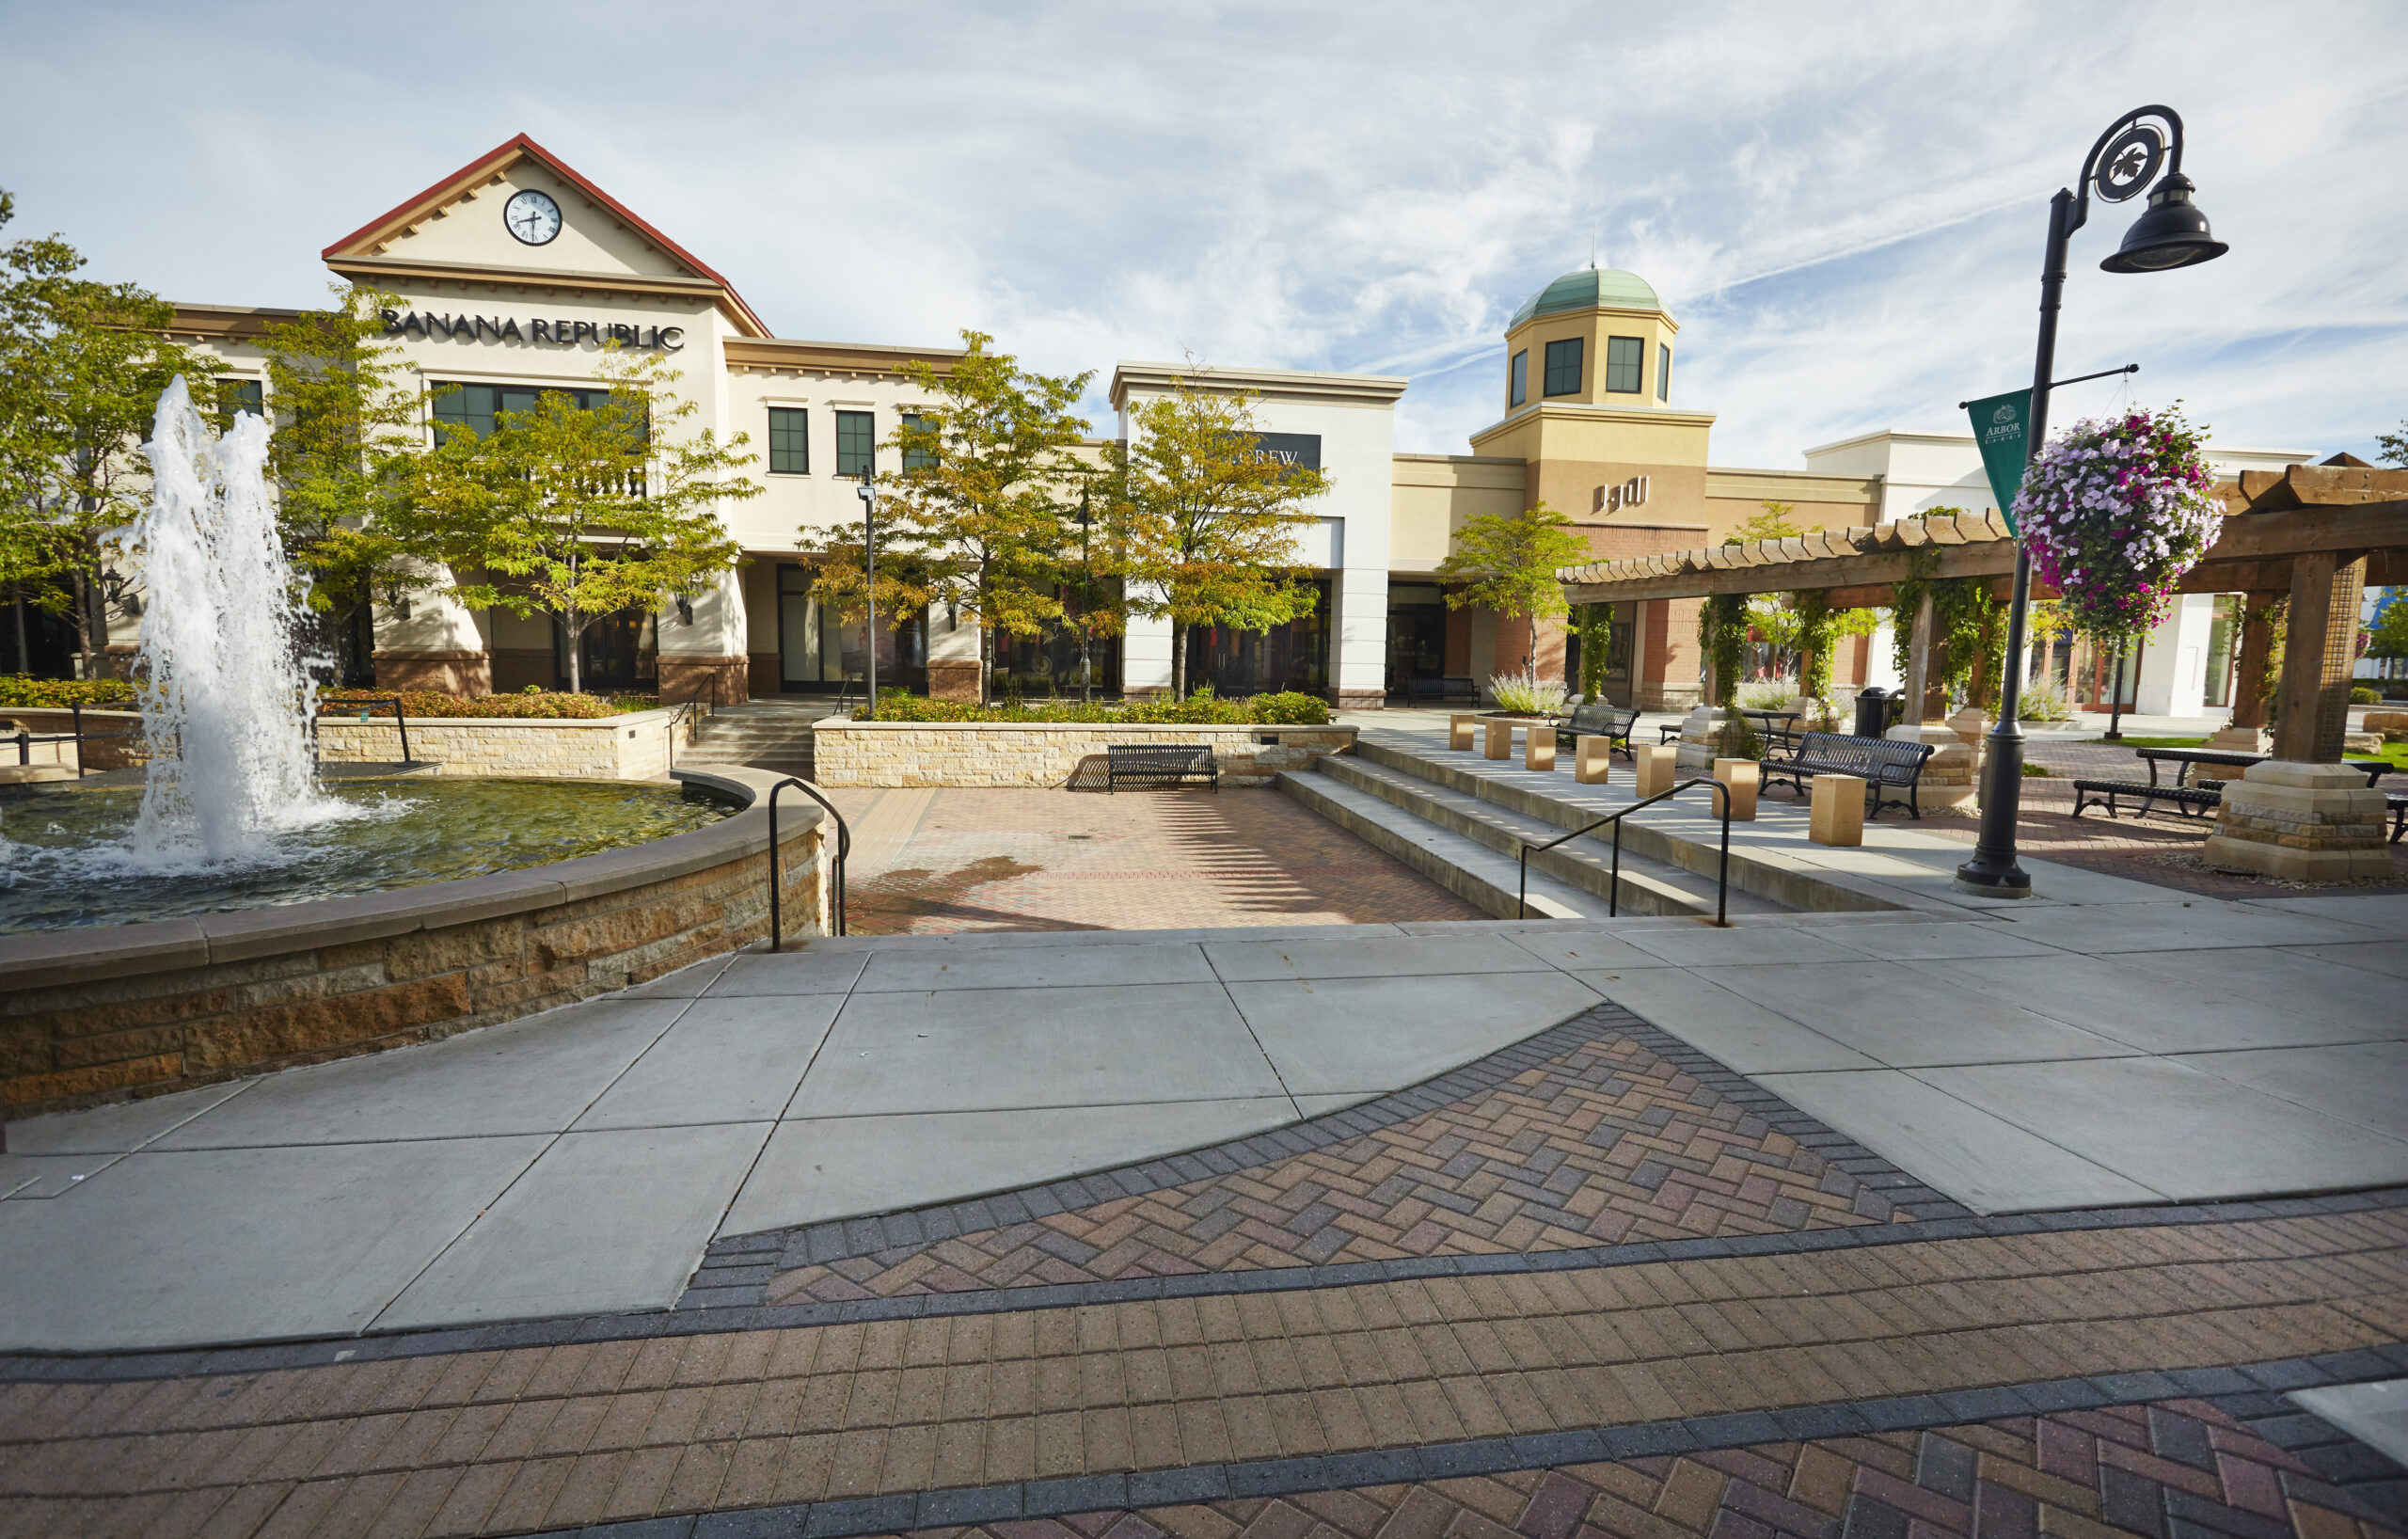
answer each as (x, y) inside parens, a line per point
(226, 699)
(231, 812)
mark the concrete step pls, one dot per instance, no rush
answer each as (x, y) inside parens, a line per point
(1464, 866)
(1679, 835)
(1648, 886)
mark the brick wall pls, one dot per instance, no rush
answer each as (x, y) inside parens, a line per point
(897, 754)
(121, 1012)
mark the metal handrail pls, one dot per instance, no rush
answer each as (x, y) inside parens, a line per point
(836, 875)
(1614, 890)
(683, 712)
(25, 737)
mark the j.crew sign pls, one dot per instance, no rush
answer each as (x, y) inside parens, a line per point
(560, 333)
(1630, 494)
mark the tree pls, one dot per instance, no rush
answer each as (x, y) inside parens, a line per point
(1771, 524)
(82, 367)
(2395, 446)
(985, 481)
(1513, 560)
(1207, 522)
(580, 513)
(2387, 636)
(346, 438)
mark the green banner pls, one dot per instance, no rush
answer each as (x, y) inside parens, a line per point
(1999, 425)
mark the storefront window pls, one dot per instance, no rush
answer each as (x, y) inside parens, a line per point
(1239, 662)
(789, 442)
(818, 649)
(1624, 357)
(477, 407)
(1416, 633)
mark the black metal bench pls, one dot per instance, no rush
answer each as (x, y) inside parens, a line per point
(1611, 723)
(2397, 803)
(1418, 690)
(2107, 794)
(1878, 760)
(1159, 763)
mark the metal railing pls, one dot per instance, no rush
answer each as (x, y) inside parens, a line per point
(837, 872)
(26, 737)
(1613, 889)
(684, 712)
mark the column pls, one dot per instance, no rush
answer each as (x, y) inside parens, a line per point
(707, 653)
(2313, 701)
(2247, 729)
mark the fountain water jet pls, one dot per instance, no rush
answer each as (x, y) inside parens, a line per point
(226, 702)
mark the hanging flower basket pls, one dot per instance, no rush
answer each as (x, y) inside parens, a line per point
(2113, 513)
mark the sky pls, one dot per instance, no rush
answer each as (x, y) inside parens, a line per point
(1843, 206)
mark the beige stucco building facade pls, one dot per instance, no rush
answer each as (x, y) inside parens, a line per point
(512, 273)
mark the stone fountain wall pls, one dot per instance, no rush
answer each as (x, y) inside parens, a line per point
(114, 1013)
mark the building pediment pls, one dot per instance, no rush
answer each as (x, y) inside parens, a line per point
(568, 233)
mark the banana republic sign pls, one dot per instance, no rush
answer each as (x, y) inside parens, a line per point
(475, 329)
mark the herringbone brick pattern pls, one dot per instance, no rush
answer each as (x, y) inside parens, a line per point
(1606, 1144)
(2181, 1468)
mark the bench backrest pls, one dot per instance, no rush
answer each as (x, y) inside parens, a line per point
(1602, 721)
(1160, 755)
(1875, 758)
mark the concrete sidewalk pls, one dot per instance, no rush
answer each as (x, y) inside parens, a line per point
(2108, 1043)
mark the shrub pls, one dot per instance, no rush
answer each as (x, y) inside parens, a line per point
(60, 694)
(2361, 695)
(2042, 700)
(1201, 709)
(536, 704)
(1766, 694)
(1528, 693)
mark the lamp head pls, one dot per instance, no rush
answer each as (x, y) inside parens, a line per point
(863, 491)
(2172, 233)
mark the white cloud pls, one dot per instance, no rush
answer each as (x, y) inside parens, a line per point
(1844, 206)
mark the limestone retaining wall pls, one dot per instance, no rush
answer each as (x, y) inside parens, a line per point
(636, 746)
(898, 753)
(114, 1013)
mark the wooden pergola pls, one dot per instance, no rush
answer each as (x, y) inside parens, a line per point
(2316, 534)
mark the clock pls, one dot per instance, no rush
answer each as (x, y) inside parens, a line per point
(532, 217)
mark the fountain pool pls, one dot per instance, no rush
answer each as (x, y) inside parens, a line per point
(68, 859)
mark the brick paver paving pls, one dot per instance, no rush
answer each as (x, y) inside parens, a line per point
(1616, 1137)
(1488, 1367)
(2162, 849)
(1150, 860)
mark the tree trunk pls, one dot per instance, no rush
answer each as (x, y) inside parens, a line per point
(574, 630)
(83, 626)
(1178, 660)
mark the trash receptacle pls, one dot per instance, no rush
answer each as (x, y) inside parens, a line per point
(1872, 711)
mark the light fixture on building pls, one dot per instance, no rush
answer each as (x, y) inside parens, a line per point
(684, 610)
(2123, 163)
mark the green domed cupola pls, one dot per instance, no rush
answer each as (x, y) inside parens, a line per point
(1586, 288)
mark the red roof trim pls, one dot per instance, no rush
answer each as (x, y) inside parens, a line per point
(490, 161)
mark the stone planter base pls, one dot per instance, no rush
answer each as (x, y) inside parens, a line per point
(2301, 823)
(1950, 776)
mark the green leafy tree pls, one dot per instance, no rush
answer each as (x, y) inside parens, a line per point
(2387, 637)
(1207, 522)
(1773, 523)
(1511, 561)
(980, 501)
(82, 367)
(342, 456)
(2395, 446)
(580, 513)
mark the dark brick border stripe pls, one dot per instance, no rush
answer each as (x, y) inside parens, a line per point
(2245, 1390)
(735, 1268)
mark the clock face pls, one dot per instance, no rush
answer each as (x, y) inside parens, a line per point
(532, 217)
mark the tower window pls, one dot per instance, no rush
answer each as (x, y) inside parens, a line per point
(789, 442)
(1625, 357)
(1563, 366)
(1663, 371)
(1518, 379)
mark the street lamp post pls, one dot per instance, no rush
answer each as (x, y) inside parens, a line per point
(869, 548)
(2123, 163)
(1086, 603)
